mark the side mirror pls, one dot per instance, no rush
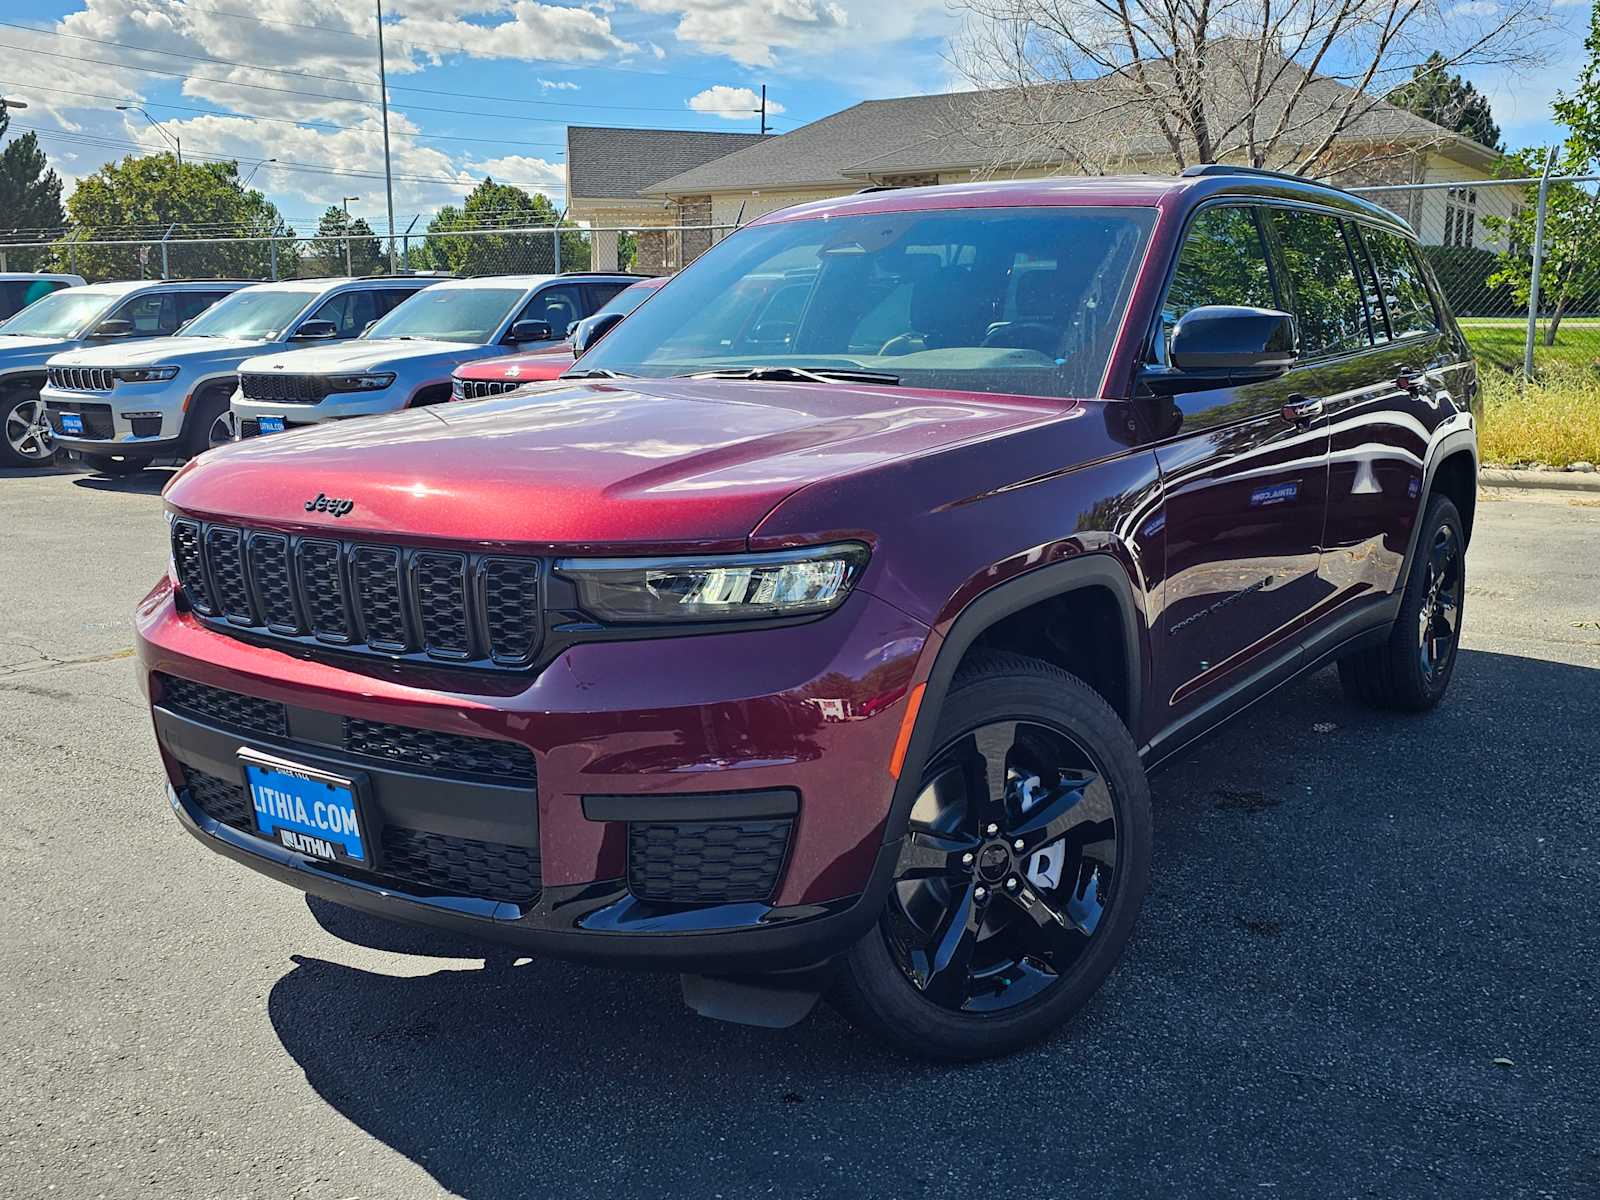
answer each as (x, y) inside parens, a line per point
(114, 329)
(1217, 345)
(587, 332)
(311, 331)
(531, 331)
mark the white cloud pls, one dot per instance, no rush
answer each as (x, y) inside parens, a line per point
(732, 103)
(558, 85)
(748, 31)
(1474, 8)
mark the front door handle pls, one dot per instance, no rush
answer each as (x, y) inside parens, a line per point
(1301, 409)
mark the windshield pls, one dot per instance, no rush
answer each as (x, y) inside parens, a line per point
(63, 315)
(262, 315)
(1016, 300)
(450, 315)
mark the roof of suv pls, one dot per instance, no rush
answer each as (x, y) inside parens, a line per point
(1145, 191)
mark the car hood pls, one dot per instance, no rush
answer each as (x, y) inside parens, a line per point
(587, 467)
(27, 351)
(160, 350)
(363, 355)
(543, 364)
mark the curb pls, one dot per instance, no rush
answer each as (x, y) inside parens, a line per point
(1556, 481)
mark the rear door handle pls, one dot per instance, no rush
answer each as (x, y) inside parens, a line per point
(1301, 409)
(1415, 382)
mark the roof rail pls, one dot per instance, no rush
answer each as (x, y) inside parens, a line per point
(879, 187)
(1206, 169)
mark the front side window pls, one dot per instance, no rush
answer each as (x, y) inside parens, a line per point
(450, 314)
(1328, 303)
(560, 305)
(1410, 304)
(192, 304)
(251, 315)
(64, 315)
(1020, 300)
(154, 314)
(350, 312)
(1223, 261)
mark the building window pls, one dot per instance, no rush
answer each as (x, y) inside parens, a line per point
(1460, 216)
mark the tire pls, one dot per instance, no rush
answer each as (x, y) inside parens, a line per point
(210, 413)
(1033, 948)
(1411, 669)
(105, 464)
(24, 440)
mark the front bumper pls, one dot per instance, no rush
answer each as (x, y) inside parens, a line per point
(136, 418)
(618, 731)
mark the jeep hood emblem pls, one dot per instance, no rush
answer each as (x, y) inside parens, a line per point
(327, 504)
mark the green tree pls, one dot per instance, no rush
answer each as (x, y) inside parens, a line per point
(493, 206)
(326, 256)
(1446, 99)
(147, 196)
(1571, 267)
(30, 196)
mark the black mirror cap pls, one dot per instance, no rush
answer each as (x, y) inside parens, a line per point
(1244, 343)
(531, 331)
(114, 329)
(591, 329)
(315, 331)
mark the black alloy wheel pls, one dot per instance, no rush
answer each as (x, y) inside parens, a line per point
(1439, 621)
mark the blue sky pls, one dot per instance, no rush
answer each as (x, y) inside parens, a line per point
(487, 86)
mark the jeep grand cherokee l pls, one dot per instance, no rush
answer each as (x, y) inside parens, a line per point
(405, 360)
(170, 395)
(72, 318)
(836, 660)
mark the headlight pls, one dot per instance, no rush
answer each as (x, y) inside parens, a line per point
(787, 583)
(458, 389)
(366, 381)
(145, 374)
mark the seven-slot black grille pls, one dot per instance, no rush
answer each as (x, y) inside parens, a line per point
(287, 389)
(430, 605)
(413, 859)
(476, 389)
(706, 862)
(97, 422)
(81, 379)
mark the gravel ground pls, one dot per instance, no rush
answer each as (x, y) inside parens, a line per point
(1368, 964)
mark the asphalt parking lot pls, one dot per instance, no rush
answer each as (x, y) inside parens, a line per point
(1369, 964)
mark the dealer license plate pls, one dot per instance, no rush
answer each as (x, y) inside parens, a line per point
(303, 809)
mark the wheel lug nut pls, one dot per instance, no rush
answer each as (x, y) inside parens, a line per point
(980, 893)
(1011, 884)
(992, 830)
(966, 860)
(1017, 845)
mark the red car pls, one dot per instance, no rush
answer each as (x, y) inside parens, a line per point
(820, 636)
(491, 377)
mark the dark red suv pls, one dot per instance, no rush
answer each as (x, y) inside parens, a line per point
(821, 635)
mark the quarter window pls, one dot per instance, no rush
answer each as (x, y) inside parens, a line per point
(1410, 305)
(1328, 304)
(1223, 261)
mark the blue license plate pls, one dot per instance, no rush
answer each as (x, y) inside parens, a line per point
(304, 810)
(72, 423)
(271, 424)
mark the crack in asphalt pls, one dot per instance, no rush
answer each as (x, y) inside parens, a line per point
(49, 662)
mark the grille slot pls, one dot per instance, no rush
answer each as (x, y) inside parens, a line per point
(189, 561)
(413, 859)
(322, 587)
(224, 707)
(706, 862)
(440, 584)
(432, 750)
(421, 605)
(225, 560)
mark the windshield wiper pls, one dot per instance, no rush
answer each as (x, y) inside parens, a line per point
(596, 373)
(781, 374)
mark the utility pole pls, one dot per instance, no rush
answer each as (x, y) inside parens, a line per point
(763, 109)
(348, 269)
(1538, 264)
(388, 174)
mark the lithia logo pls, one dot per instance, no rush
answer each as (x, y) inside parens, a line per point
(327, 504)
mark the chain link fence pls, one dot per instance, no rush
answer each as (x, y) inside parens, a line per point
(1480, 237)
(498, 251)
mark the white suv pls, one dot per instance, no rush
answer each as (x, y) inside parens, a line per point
(406, 359)
(70, 319)
(118, 407)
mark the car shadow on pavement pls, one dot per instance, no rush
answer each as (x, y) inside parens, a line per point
(1319, 1000)
(147, 482)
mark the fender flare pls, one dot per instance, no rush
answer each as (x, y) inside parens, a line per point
(1458, 439)
(1098, 569)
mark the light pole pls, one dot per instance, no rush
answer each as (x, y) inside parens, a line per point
(176, 141)
(383, 97)
(348, 268)
(245, 182)
(7, 102)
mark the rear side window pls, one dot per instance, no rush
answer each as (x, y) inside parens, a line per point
(1328, 302)
(1223, 261)
(1410, 305)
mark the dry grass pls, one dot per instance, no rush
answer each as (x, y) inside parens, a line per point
(1554, 421)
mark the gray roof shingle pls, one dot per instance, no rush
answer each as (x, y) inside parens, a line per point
(622, 163)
